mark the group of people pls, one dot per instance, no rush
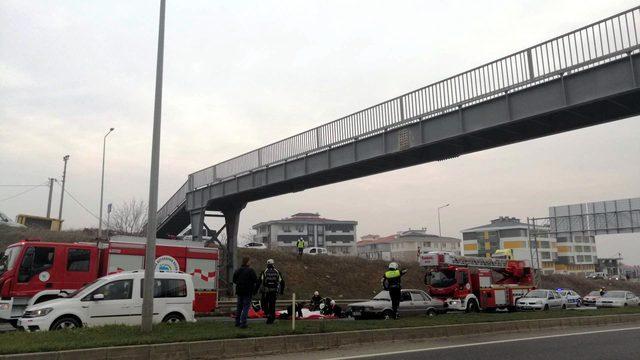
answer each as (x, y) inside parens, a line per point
(270, 283)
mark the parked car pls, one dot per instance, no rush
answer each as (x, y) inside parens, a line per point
(618, 298)
(541, 299)
(412, 302)
(591, 298)
(114, 299)
(315, 251)
(596, 275)
(572, 297)
(255, 245)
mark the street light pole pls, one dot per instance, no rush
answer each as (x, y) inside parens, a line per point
(64, 179)
(439, 226)
(104, 146)
(150, 253)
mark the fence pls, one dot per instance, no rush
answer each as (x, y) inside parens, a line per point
(606, 40)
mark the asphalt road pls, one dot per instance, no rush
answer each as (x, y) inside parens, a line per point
(608, 344)
(583, 343)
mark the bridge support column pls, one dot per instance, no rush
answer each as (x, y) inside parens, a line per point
(197, 223)
(232, 222)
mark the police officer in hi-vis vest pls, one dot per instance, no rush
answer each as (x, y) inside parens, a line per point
(391, 281)
(300, 246)
(271, 283)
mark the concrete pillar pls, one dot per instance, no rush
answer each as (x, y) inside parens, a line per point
(197, 223)
(232, 221)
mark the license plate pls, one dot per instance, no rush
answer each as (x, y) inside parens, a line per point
(357, 313)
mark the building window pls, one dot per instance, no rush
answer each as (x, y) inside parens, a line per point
(512, 233)
(286, 228)
(300, 228)
(469, 236)
(545, 255)
(561, 239)
(426, 244)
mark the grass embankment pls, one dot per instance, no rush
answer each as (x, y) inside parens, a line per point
(10, 235)
(20, 342)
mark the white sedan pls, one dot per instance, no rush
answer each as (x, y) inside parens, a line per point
(618, 298)
(541, 299)
(255, 245)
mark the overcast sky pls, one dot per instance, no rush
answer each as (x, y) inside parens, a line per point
(242, 74)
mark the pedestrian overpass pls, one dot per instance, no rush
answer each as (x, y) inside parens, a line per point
(586, 77)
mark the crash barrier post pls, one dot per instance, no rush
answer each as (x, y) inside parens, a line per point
(293, 312)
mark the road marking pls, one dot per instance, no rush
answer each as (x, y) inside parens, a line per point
(483, 343)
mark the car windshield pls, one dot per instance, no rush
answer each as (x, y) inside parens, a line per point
(440, 279)
(8, 260)
(594, 293)
(615, 294)
(382, 295)
(77, 292)
(536, 294)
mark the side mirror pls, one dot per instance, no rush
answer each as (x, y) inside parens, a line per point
(96, 297)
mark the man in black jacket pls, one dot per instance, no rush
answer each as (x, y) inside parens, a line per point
(271, 283)
(246, 282)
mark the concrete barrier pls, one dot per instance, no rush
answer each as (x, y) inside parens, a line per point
(229, 348)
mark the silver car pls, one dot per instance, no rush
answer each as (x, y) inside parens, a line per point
(541, 299)
(618, 298)
(412, 302)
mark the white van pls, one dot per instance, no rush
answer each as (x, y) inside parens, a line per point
(114, 299)
(315, 251)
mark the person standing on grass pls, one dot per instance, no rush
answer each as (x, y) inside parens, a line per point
(246, 282)
(391, 281)
(271, 283)
(300, 246)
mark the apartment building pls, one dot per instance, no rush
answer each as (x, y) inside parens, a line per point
(510, 233)
(374, 247)
(337, 236)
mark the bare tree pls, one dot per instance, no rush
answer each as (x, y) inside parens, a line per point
(129, 217)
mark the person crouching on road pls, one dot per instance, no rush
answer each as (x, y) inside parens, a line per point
(246, 282)
(391, 281)
(271, 283)
(300, 246)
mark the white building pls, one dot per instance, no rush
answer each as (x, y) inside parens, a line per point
(337, 236)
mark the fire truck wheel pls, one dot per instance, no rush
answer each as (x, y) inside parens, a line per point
(173, 318)
(66, 322)
(472, 306)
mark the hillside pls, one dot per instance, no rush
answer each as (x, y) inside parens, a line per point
(10, 235)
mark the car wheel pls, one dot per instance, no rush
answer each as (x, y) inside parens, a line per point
(357, 318)
(173, 318)
(472, 306)
(65, 322)
(431, 313)
(578, 303)
(546, 307)
(625, 304)
(13, 323)
(564, 306)
(387, 314)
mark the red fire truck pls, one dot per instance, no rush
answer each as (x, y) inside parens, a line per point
(33, 271)
(474, 283)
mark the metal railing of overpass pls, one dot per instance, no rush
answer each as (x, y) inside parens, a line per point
(603, 41)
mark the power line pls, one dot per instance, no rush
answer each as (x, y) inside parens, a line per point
(24, 192)
(16, 185)
(78, 202)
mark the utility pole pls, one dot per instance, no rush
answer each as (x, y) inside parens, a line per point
(104, 146)
(64, 179)
(109, 206)
(150, 254)
(50, 193)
